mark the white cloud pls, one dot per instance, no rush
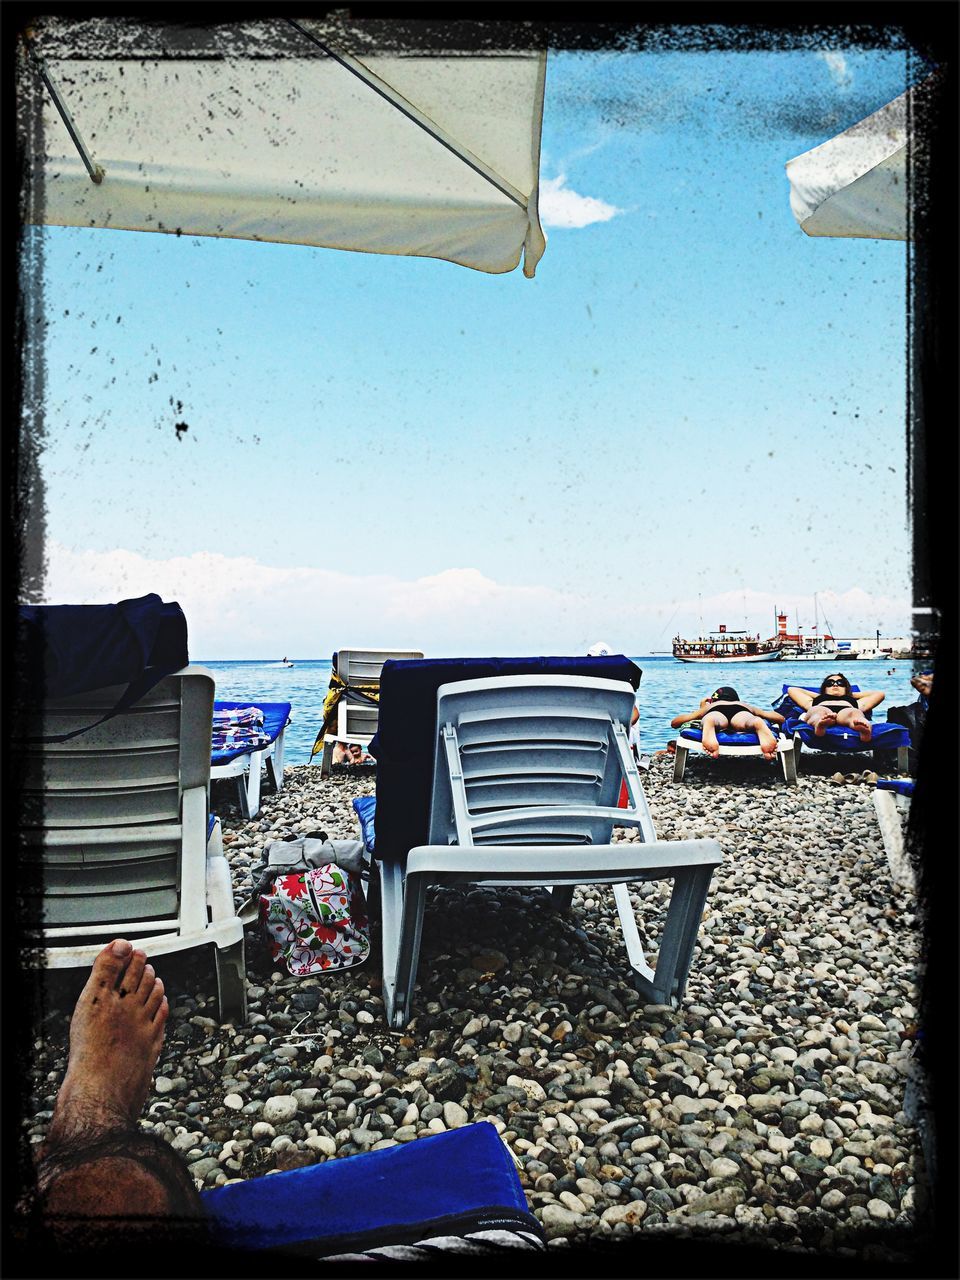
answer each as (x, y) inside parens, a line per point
(561, 206)
(837, 66)
(237, 607)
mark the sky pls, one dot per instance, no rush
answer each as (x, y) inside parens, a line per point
(679, 422)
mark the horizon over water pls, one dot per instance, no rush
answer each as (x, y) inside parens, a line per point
(667, 688)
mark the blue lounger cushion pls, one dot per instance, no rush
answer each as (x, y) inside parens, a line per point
(886, 736)
(276, 715)
(365, 807)
(447, 1184)
(727, 739)
(901, 786)
(211, 823)
(407, 731)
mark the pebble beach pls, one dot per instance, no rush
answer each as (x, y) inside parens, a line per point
(768, 1109)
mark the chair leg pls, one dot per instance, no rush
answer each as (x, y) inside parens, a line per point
(690, 887)
(408, 951)
(326, 759)
(253, 784)
(788, 763)
(391, 918)
(231, 982)
(562, 896)
(680, 763)
(903, 759)
(275, 763)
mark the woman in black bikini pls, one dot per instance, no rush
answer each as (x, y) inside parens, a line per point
(721, 710)
(836, 703)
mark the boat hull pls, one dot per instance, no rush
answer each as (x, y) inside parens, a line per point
(724, 660)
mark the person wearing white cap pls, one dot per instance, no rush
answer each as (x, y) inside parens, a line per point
(602, 650)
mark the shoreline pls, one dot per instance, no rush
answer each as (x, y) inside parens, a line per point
(767, 1109)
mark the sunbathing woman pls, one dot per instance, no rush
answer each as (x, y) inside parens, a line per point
(723, 710)
(836, 703)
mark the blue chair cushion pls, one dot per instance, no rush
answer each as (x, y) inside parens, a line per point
(902, 786)
(461, 1179)
(211, 823)
(407, 731)
(365, 807)
(727, 739)
(275, 718)
(886, 736)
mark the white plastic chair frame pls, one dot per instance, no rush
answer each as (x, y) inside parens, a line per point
(561, 843)
(115, 831)
(356, 717)
(786, 754)
(893, 811)
(247, 770)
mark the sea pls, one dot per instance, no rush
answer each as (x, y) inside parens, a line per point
(667, 688)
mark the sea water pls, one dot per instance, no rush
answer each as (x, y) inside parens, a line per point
(667, 688)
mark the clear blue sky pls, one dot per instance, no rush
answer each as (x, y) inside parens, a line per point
(691, 399)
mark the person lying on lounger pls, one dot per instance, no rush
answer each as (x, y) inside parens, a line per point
(723, 709)
(837, 704)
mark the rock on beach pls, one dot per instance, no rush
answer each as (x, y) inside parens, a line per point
(770, 1105)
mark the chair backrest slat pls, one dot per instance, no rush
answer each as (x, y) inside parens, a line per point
(129, 772)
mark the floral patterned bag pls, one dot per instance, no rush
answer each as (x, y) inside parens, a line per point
(316, 920)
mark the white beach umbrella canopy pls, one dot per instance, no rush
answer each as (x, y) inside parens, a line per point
(856, 183)
(400, 152)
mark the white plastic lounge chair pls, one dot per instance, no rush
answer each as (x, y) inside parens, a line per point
(117, 840)
(527, 771)
(891, 799)
(246, 765)
(357, 710)
(734, 744)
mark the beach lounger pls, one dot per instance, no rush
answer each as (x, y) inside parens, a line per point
(838, 738)
(891, 799)
(116, 836)
(455, 1192)
(245, 762)
(350, 707)
(734, 744)
(514, 781)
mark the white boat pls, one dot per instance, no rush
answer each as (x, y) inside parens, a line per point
(723, 646)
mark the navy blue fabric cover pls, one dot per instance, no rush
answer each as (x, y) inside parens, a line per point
(211, 823)
(407, 730)
(365, 807)
(902, 786)
(377, 1198)
(73, 648)
(276, 716)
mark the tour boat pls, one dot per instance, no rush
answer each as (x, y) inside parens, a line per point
(726, 646)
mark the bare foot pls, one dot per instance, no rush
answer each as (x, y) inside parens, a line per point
(115, 1036)
(768, 743)
(824, 722)
(865, 730)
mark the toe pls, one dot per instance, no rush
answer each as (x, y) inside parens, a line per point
(110, 963)
(156, 1000)
(147, 983)
(131, 979)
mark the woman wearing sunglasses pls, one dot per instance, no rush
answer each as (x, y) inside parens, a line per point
(836, 703)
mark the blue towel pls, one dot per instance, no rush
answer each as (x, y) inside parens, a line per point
(463, 1179)
(365, 807)
(275, 717)
(407, 732)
